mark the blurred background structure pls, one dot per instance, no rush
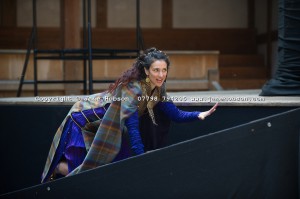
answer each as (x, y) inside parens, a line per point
(232, 42)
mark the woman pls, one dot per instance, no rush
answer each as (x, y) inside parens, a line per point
(132, 117)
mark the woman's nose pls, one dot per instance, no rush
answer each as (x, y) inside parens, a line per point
(161, 74)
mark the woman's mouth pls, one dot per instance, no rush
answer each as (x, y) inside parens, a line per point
(159, 81)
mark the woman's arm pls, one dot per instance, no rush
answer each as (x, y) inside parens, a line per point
(176, 114)
(132, 124)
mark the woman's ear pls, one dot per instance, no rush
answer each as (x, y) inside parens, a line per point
(146, 71)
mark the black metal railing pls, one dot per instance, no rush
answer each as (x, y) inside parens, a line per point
(86, 54)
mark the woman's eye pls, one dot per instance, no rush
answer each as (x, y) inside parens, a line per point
(157, 70)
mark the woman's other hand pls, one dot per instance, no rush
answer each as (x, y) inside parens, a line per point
(204, 114)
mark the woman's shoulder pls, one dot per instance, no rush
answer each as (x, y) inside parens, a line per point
(134, 84)
(133, 87)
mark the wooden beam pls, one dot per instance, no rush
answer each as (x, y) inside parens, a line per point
(225, 40)
(70, 25)
(62, 22)
(8, 13)
(167, 14)
(228, 41)
(72, 39)
(101, 13)
(251, 13)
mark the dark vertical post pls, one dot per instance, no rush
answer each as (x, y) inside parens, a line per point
(90, 49)
(84, 46)
(29, 47)
(35, 72)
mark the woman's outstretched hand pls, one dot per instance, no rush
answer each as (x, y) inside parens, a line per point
(204, 114)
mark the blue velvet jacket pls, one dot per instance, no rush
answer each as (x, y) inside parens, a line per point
(169, 109)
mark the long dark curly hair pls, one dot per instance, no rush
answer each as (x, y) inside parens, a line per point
(137, 72)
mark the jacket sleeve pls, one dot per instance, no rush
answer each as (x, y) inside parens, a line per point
(176, 114)
(132, 124)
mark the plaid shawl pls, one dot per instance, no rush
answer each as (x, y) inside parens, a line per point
(107, 141)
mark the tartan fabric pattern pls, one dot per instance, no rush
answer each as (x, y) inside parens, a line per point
(107, 141)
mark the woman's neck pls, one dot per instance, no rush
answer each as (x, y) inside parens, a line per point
(152, 90)
(152, 86)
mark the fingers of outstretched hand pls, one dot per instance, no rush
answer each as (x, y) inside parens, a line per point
(203, 115)
(213, 109)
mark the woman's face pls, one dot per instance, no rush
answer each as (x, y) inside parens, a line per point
(157, 73)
